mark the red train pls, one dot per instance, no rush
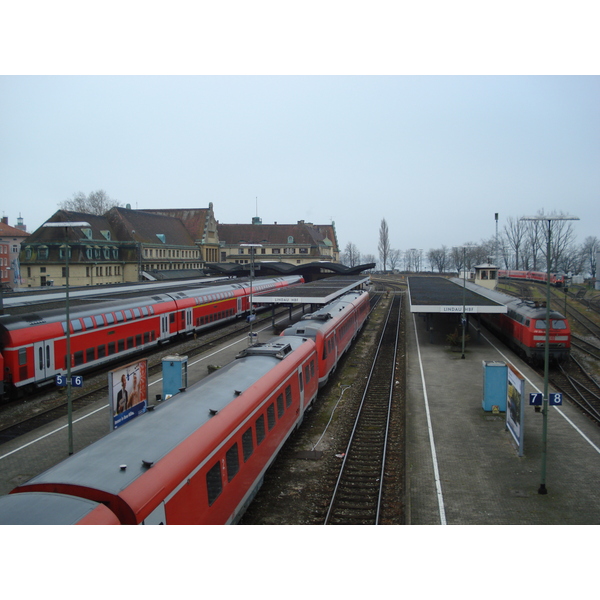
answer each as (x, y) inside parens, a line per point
(523, 328)
(198, 458)
(556, 279)
(343, 318)
(33, 346)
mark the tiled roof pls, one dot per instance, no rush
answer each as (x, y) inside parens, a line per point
(148, 226)
(302, 233)
(8, 231)
(193, 219)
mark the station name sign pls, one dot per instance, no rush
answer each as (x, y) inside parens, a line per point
(457, 309)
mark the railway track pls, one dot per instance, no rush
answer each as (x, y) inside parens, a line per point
(358, 492)
(581, 389)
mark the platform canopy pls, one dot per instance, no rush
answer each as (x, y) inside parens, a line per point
(441, 295)
(322, 291)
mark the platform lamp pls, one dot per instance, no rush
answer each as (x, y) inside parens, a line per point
(252, 251)
(464, 312)
(66, 225)
(548, 219)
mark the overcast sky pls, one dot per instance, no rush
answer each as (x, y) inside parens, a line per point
(436, 156)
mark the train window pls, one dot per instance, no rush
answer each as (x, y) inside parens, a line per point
(111, 348)
(128, 315)
(99, 320)
(89, 355)
(312, 368)
(233, 462)
(247, 445)
(558, 324)
(101, 351)
(271, 416)
(120, 345)
(260, 429)
(138, 340)
(77, 326)
(109, 318)
(540, 324)
(214, 485)
(280, 407)
(87, 321)
(22, 356)
(78, 358)
(300, 381)
(144, 311)
(307, 373)
(172, 318)
(288, 395)
(146, 337)
(130, 342)
(136, 313)
(119, 316)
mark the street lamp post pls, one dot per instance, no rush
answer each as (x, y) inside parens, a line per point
(66, 226)
(549, 219)
(252, 251)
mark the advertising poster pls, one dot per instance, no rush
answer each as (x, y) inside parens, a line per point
(515, 409)
(128, 392)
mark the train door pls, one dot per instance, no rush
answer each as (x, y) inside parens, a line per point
(189, 320)
(164, 327)
(43, 359)
(301, 385)
(239, 306)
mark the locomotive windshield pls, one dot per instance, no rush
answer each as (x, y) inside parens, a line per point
(554, 324)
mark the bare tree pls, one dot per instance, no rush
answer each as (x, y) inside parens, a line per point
(589, 251)
(395, 256)
(351, 256)
(369, 258)
(384, 244)
(96, 203)
(514, 233)
(438, 259)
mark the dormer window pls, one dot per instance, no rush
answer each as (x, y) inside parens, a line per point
(87, 232)
(290, 239)
(105, 233)
(162, 237)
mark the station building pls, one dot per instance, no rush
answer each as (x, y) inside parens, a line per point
(126, 245)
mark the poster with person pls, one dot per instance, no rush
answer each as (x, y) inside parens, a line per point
(515, 409)
(128, 392)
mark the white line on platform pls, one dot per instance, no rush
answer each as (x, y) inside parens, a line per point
(436, 472)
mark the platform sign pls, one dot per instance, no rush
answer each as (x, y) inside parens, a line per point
(128, 392)
(76, 380)
(536, 399)
(555, 399)
(515, 407)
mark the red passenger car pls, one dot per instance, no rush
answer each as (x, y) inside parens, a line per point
(333, 328)
(33, 346)
(200, 457)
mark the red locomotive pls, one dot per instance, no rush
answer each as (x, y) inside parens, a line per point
(33, 346)
(556, 279)
(200, 457)
(523, 328)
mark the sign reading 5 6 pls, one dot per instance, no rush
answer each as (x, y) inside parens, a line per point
(76, 381)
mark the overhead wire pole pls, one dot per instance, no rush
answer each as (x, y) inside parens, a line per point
(66, 225)
(549, 219)
(252, 252)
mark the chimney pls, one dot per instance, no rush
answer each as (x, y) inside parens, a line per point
(5, 220)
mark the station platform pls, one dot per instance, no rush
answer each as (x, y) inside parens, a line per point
(463, 466)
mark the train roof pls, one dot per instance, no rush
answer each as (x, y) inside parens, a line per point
(43, 508)
(55, 315)
(527, 308)
(150, 437)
